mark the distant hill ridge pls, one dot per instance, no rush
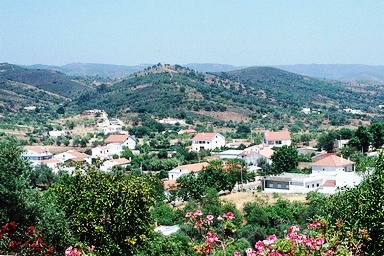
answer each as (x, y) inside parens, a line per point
(263, 94)
(342, 72)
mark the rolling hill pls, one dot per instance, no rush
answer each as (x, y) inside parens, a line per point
(246, 94)
(261, 94)
(47, 80)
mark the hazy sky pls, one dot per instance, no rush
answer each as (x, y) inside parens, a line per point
(236, 32)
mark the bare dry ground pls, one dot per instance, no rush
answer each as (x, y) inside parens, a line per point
(240, 198)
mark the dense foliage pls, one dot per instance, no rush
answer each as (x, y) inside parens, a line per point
(108, 211)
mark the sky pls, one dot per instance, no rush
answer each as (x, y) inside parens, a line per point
(234, 32)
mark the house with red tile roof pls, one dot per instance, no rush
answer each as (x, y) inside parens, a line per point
(327, 175)
(51, 163)
(74, 155)
(122, 140)
(277, 139)
(332, 163)
(36, 154)
(108, 165)
(106, 152)
(207, 141)
(185, 169)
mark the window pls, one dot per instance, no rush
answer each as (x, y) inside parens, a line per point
(270, 185)
(317, 184)
(313, 185)
(307, 186)
(286, 186)
(278, 185)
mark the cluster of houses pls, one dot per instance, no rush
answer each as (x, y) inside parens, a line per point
(115, 144)
(328, 170)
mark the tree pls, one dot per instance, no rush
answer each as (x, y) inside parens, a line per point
(107, 210)
(377, 133)
(41, 176)
(18, 203)
(360, 207)
(60, 110)
(284, 159)
(361, 139)
(326, 141)
(190, 187)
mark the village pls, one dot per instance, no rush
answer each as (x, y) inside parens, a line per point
(327, 171)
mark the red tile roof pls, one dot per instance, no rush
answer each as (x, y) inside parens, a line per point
(170, 184)
(197, 167)
(77, 154)
(322, 156)
(330, 183)
(332, 160)
(116, 138)
(50, 161)
(38, 149)
(205, 136)
(121, 161)
(273, 136)
(266, 152)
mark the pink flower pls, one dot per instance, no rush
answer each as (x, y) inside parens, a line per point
(237, 254)
(294, 229)
(72, 251)
(314, 224)
(270, 240)
(259, 246)
(188, 214)
(249, 252)
(319, 241)
(208, 249)
(276, 253)
(219, 218)
(199, 223)
(197, 213)
(209, 217)
(229, 215)
(211, 238)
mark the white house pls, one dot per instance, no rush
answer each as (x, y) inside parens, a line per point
(185, 169)
(292, 183)
(109, 164)
(306, 111)
(106, 152)
(277, 139)
(36, 154)
(252, 157)
(231, 154)
(340, 144)
(188, 131)
(51, 163)
(327, 175)
(207, 141)
(122, 140)
(111, 129)
(332, 163)
(74, 155)
(56, 133)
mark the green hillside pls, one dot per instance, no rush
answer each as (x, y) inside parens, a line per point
(263, 95)
(293, 90)
(251, 94)
(47, 80)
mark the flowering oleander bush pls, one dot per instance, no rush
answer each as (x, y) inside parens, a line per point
(77, 251)
(12, 241)
(318, 239)
(213, 240)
